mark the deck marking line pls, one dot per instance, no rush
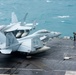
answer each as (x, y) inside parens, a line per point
(22, 69)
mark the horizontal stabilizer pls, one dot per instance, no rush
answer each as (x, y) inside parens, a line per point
(6, 51)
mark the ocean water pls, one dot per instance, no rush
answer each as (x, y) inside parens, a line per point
(53, 15)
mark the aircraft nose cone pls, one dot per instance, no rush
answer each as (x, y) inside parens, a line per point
(57, 33)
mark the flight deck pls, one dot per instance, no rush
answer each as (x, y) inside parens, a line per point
(60, 59)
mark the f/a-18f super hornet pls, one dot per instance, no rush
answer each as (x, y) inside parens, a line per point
(46, 34)
(20, 29)
(29, 44)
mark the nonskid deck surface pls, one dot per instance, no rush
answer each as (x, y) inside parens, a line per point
(50, 62)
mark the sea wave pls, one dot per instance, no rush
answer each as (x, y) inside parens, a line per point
(48, 1)
(63, 16)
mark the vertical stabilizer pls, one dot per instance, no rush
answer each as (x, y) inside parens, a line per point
(24, 19)
(2, 38)
(34, 24)
(11, 44)
(14, 18)
(10, 39)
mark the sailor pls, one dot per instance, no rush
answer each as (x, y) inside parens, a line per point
(74, 36)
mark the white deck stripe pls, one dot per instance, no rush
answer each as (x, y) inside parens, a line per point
(66, 72)
(22, 69)
(35, 69)
(70, 73)
(8, 74)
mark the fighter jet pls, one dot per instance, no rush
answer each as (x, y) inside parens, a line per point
(20, 29)
(29, 44)
(48, 34)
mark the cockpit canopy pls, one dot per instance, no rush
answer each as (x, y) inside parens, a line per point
(43, 31)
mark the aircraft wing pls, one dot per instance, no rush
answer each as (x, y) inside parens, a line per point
(29, 24)
(18, 28)
(11, 29)
(24, 28)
